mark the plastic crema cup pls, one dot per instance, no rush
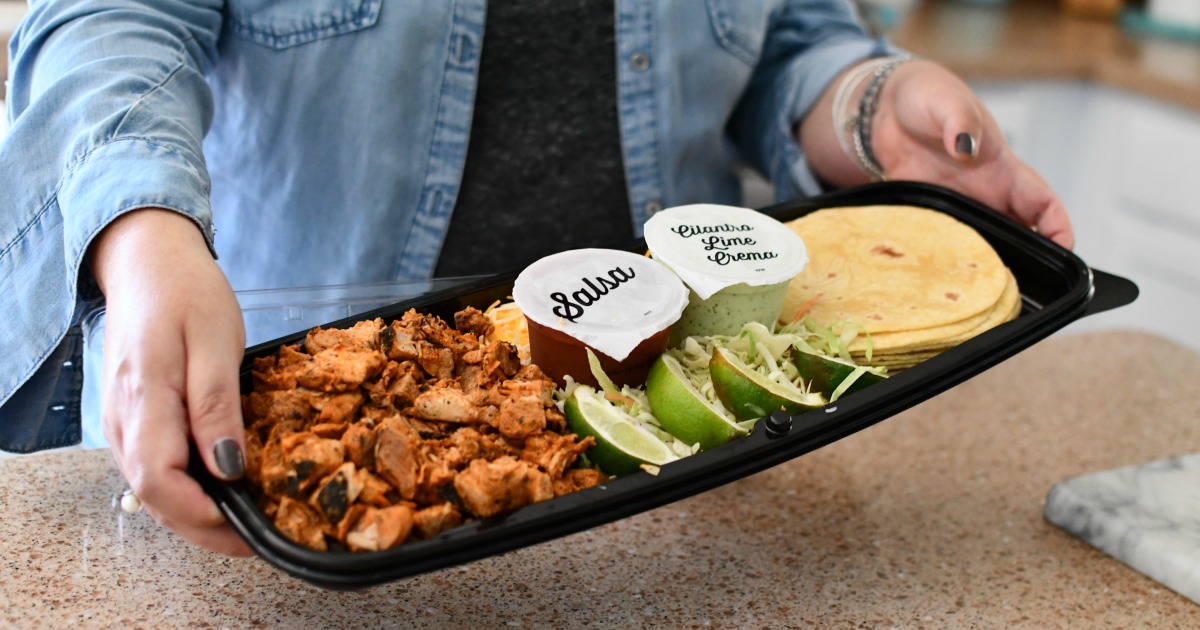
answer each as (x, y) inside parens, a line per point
(619, 304)
(736, 262)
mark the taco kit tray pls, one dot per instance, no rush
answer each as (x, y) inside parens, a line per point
(1056, 289)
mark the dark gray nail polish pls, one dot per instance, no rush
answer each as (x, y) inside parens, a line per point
(965, 144)
(229, 458)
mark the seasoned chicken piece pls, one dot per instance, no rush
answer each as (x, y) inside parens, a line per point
(399, 341)
(436, 519)
(398, 385)
(471, 378)
(431, 429)
(472, 321)
(274, 472)
(359, 444)
(412, 319)
(348, 521)
(500, 360)
(340, 369)
(329, 430)
(521, 417)
(375, 415)
(254, 451)
(530, 372)
(310, 459)
(540, 390)
(440, 335)
(280, 405)
(338, 408)
(291, 356)
(280, 372)
(269, 507)
(446, 404)
(437, 362)
(457, 449)
(262, 365)
(554, 453)
(489, 488)
(373, 491)
(496, 362)
(263, 374)
(364, 336)
(396, 456)
(577, 479)
(300, 523)
(379, 529)
(433, 478)
(465, 444)
(336, 492)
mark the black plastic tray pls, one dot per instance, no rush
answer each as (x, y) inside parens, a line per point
(1056, 288)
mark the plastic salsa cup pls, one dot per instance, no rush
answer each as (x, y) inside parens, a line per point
(619, 304)
(736, 263)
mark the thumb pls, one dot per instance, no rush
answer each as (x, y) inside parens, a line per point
(958, 115)
(214, 405)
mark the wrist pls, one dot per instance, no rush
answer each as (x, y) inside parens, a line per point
(138, 239)
(855, 103)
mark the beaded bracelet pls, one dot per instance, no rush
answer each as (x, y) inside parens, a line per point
(852, 124)
(866, 112)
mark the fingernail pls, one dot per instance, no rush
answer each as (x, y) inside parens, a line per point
(965, 144)
(229, 458)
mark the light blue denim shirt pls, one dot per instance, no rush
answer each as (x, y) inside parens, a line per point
(319, 142)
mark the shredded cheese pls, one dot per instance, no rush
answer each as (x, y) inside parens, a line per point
(509, 323)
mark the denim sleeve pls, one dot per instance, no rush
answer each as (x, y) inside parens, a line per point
(808, 44)
(108, 107)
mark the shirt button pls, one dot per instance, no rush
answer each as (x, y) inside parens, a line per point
(652, 208)
(639, 61)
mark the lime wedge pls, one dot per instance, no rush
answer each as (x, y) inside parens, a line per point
(749, 394)
(827, 374)
(683, 410)
(622, 446)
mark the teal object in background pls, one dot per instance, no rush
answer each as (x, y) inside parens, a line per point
(1139, 22)
(884, 16)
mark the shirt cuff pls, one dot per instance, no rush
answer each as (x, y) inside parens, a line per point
(128, 174)
(803, 84)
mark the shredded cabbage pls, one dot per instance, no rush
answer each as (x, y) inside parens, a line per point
(848, 382)
(763, 350)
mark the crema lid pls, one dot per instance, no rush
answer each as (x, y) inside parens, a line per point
(712, 247)
(608, 299)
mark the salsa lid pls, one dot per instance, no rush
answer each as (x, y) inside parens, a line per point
(712, 247)
(608, 299)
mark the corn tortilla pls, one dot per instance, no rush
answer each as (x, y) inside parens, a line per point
(949, 334)
(895, 268)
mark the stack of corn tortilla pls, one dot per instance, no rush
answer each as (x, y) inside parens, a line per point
(914, 281)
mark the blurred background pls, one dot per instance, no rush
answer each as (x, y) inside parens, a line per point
(1100, 96)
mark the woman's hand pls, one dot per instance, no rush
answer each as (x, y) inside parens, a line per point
(931, 127)
(173, 343)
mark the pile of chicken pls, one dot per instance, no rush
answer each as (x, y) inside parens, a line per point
(371, 436)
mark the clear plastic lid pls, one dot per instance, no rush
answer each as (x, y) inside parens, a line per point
(712, 247)
(608, 299)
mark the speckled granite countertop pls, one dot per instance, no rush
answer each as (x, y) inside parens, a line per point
(932, 518)
(1034, 40)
